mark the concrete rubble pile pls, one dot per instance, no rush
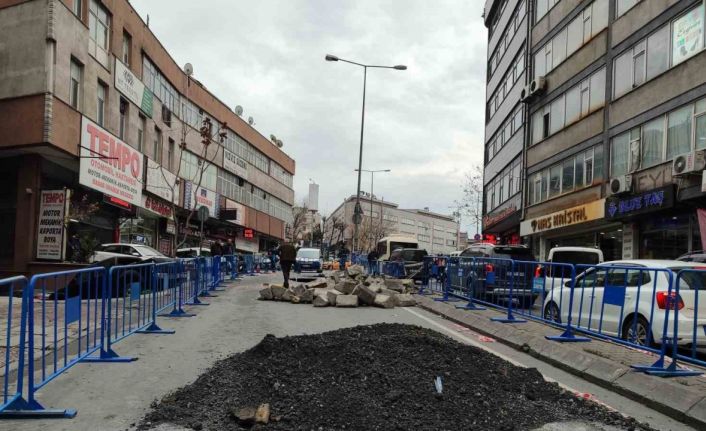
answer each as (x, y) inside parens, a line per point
(346, 289)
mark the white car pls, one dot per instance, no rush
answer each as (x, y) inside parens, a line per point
(627, 299)
(105, 251)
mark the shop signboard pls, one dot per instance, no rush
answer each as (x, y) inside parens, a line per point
(157, 206)
(687, 34)
(197, 197)
(629, 242)
(109, 165)
(135, 90)
(161, 182)
(171, 227)
(51, 234)
(569, 217)
(618, 207)
(235, 164)
(233, 212)
(245, 245)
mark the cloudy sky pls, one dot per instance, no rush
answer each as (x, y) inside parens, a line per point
(425, 123)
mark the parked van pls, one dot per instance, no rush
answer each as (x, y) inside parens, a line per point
(547, 277)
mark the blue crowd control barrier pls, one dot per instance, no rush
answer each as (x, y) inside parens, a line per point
(182, 291)
(249, 264)
(206, 276)
(193, 280)
(232, 266)
(163, 287)
(394, 269)
(433, 275)
(453, 266)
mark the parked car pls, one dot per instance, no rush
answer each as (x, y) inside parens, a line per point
(105, 251)
(695, 256)
(413, 259)
(191, 252)
(547, 277)
(89, 284)
(627, 299)
(492, 274)
(308, 260)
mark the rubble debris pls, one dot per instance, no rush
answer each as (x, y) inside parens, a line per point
(320, 301)
(346, 301)
(384, 301)
(266, 293)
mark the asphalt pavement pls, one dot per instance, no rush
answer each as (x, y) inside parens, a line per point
(116, 396)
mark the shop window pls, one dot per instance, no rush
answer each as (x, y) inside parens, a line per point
(664, 237)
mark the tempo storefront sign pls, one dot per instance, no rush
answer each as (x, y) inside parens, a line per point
(568, 217)
(51, 234)
(135, 90)
(109, 165)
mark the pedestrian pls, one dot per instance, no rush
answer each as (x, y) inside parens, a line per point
(216, 249)
(228, 248)
(373, 257)
(287, 256)
(75, 248)
(342, 257)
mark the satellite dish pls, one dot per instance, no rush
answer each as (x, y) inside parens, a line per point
(279, 143)
(251, 120)
(238, 110)
(188, 69)
(273, 138)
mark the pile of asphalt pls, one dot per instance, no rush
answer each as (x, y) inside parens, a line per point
(379, 377)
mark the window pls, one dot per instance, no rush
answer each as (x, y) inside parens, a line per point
(191, 168)
(622, 68)
(170, 155)
(556, 120)
(157, 146)
(652, 142)
(554, 181)
(658, 52)
(573, 104)
(687, 34)
(578, 32)
(544, 6)
(141, 133)
(127, 47)
(101, 94)
(77, 8)
(619, 155)
(578, 171)
(679, 132)
(99, 24)
(638, 64)
(122, 129)
(76, 83)
(623, 6)
(571, 174)
(567, 176)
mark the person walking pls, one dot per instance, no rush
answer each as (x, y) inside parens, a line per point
(342, 257)
(216, 249)
(373, 257)
(228, 248)
(287, 257)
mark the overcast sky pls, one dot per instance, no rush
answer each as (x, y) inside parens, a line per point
(425, 123)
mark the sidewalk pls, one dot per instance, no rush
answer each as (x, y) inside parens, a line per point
(604, 363)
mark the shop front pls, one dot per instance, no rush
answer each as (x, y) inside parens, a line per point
(579, 226)
(502, 225)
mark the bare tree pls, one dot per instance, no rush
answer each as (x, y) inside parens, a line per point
(334, 229)
(471, 203)
(371, 231)
(299, 221)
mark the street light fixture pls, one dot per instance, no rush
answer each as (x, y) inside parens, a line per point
(357, 212)
(372, 179)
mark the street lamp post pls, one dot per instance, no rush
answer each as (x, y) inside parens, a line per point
(372, 191)
(357, 216)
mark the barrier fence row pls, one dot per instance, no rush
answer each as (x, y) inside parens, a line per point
(657, 310)
(76, 316)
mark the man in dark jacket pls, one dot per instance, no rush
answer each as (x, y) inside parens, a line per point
(216, 249)
(228, 248)
(287, 257)
(373, 257)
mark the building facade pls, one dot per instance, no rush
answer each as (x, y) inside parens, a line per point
(617, 118)
(505, 117)
(436, 233)
(104, 138)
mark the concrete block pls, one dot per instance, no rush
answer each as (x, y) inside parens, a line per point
(295, 299)
(320, 291)
(320, 301)
(355, 270)
(266, 293)
(299, 290)
(406, 300)
(346, 301)
(384, 301)
(317, 284)
(345, 286)
(366, 295)
(277, 292)
(394, 284)
(308, 296)
(287, 295)
(332, 295)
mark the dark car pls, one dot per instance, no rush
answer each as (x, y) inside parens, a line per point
(88, 284)
(494, 272)
(413, 259)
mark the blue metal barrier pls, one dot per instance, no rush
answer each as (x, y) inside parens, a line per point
(393, 269)
(206, 276)
(193, 280)
(249, 264)
(182, 289)
(433, 275)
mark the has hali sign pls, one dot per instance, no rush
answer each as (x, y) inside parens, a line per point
(51, 234)
(109, 165)
(127, 83)
(568, 217)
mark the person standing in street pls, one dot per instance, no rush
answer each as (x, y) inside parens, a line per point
(287, 257)
(373, 257)
(228, 248)
(216, 249)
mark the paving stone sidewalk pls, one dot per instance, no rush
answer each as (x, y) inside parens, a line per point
(602, 362)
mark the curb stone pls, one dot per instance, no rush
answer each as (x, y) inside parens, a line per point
(665, 395)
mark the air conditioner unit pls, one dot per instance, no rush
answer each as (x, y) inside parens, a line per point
(538, 86)
(525, 95)
(618, 185)
(689, 163)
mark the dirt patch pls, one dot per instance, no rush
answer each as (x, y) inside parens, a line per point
(379, 377)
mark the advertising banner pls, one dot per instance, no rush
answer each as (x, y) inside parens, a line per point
(235, 164)
(127, 83)
(687, 35)
(196, 197)
(109, 165)
(50, 229)
(580, 214)
(161, 182)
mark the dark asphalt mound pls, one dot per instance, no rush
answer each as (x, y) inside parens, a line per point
(378, 377)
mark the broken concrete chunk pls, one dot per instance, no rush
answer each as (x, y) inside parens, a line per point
(308, 296)
(331, 296)
(346, 286)
(355, 270)
(366, 295)
(299, 290)
(277, 292)
(287, 295)
(406, 300)
(320, 292)
(320, 301)
(346, 301)
(262, 415)
(384, 301)
(317, 284)
(266, 293)
(245, 416)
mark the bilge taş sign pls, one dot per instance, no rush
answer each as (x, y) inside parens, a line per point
(109, 165)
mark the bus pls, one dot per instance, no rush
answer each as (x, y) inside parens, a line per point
(393, 242)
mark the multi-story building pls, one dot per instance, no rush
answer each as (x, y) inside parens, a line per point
(436, 233)
(505, 117)
(101, 141)
(615, 156)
